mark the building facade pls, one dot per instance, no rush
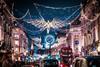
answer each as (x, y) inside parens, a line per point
(90, 16)
(19, 43)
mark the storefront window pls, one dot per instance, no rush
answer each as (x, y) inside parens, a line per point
(16, 36)
(16, 42)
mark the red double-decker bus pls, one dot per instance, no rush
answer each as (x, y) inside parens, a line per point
(66, 56)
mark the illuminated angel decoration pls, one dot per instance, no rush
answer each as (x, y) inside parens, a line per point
(49, 24)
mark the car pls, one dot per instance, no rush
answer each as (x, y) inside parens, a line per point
(93, 61)
(50, 63)
(27, 66)
(80, 62)
(88, 61)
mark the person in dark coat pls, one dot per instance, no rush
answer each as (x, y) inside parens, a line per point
(6, 61)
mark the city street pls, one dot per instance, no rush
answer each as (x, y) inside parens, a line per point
(49, 33)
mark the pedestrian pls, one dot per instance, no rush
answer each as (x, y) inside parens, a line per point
(6, 61)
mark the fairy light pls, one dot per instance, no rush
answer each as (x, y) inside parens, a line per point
(57, 8)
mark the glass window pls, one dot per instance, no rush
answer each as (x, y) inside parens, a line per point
(16, 42)
(16, 49)
(17, 36)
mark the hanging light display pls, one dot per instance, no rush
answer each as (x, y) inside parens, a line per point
(50, 39)
(48, 25)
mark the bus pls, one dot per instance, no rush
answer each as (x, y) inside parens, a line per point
(66, 56)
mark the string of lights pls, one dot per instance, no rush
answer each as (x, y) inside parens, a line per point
(60, 8)
(12, 13)
(71, 23)
(54, 24)
(75, 18)
(24, 15)
(47, 24)
(41, 17)
(12, 9)
(38, 31)
(73, 14)
(85, 18)
(86, 23)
